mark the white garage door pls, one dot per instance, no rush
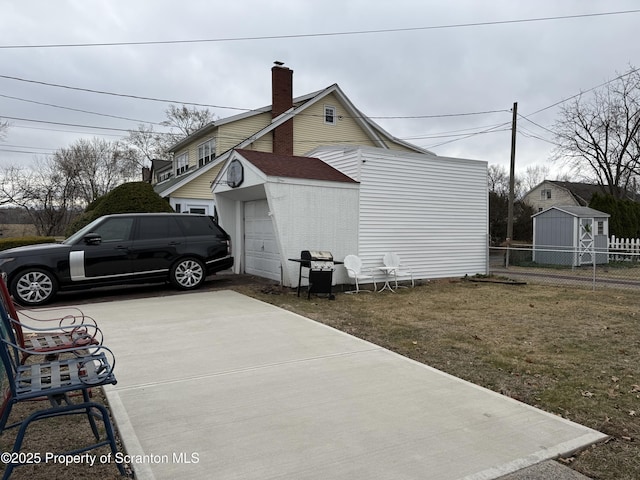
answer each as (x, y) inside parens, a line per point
(260, 247)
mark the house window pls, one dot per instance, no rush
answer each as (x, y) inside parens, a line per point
(206, 152)
(164, 176)
(545, 194)
(600, 227)
(182, 163)
(178, 208)
(329, 115)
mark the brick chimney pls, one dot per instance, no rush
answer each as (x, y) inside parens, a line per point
(281, 101)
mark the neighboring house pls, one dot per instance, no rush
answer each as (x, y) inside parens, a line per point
(289, 126)
(161, 170)
(570, 235)
(553, 192)
(363, 200)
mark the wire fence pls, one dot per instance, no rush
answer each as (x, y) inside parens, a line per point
(593, 268)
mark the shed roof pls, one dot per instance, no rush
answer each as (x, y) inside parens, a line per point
(576, 211)
(290, 166)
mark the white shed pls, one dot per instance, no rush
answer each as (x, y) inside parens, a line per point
(431, 210)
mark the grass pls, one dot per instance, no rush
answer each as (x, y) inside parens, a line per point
(573, 352)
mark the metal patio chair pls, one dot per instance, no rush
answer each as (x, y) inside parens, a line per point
(55, 380)
(57, 328)
(392, 262)
(353, 264)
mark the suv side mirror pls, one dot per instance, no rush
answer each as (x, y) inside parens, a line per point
(92, 239)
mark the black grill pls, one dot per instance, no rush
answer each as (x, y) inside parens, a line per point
(320, 266)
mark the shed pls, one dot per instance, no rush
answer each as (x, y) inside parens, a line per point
(431, 210)
(570, 235)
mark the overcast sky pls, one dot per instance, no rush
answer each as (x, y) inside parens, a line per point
(417, 70)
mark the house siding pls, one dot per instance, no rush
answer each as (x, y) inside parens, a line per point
(231, 134)
(559, 196)
(310, 130)
(414, 205)
(302, 222)
(199, 187)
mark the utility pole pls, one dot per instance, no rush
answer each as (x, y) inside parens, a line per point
(511, 181)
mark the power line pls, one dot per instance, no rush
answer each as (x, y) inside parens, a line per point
(65, 131)
(630, 72)
(101, 92)
(137, 97)
(25, 152)
(78, 110)
(325, 34)
(67, 124)
(495, 129)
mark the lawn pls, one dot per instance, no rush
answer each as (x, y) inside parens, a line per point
(572, 352)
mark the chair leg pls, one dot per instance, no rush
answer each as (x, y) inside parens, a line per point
(72, 409)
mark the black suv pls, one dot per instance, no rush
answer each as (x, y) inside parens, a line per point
(119, 249)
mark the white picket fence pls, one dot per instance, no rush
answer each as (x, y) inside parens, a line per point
(624, 248)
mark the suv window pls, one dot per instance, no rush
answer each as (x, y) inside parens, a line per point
(198, 226)
(153, 228)
(114, 229)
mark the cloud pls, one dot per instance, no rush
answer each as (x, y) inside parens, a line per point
(402, 74)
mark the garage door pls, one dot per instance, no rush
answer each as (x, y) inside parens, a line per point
(260, 247)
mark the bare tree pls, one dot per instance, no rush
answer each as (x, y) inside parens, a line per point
(498, 181)
(147, 144)
(599, 135)
(47, 196)
(534, 175)
(95, 166)
(186, 120)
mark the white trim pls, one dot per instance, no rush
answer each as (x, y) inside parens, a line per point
(330, 111)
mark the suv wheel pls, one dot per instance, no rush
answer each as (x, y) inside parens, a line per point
(34, 287)
(188, 273)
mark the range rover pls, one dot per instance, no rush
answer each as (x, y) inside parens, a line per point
(117, 249)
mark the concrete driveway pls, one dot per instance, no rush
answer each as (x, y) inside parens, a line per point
(220, 385)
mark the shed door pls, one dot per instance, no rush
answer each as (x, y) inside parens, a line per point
(260, 247)
(585, 241)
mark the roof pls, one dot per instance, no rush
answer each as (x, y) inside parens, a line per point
(289, 166)
(158, 164)
(300, 104)
(576, 211)
(376, 133)
(582, 192)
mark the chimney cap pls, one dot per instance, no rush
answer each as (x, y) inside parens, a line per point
(279, 63)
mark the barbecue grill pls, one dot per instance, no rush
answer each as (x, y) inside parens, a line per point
(320, 266)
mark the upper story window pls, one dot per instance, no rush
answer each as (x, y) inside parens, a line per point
(164, 176)
(329, 115)
(206, 152)
(545, 194)
(182, 163)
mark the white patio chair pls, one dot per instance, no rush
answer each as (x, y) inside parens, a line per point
(353, 264)
(392, 260)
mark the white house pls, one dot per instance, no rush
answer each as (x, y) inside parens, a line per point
(431, 210)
